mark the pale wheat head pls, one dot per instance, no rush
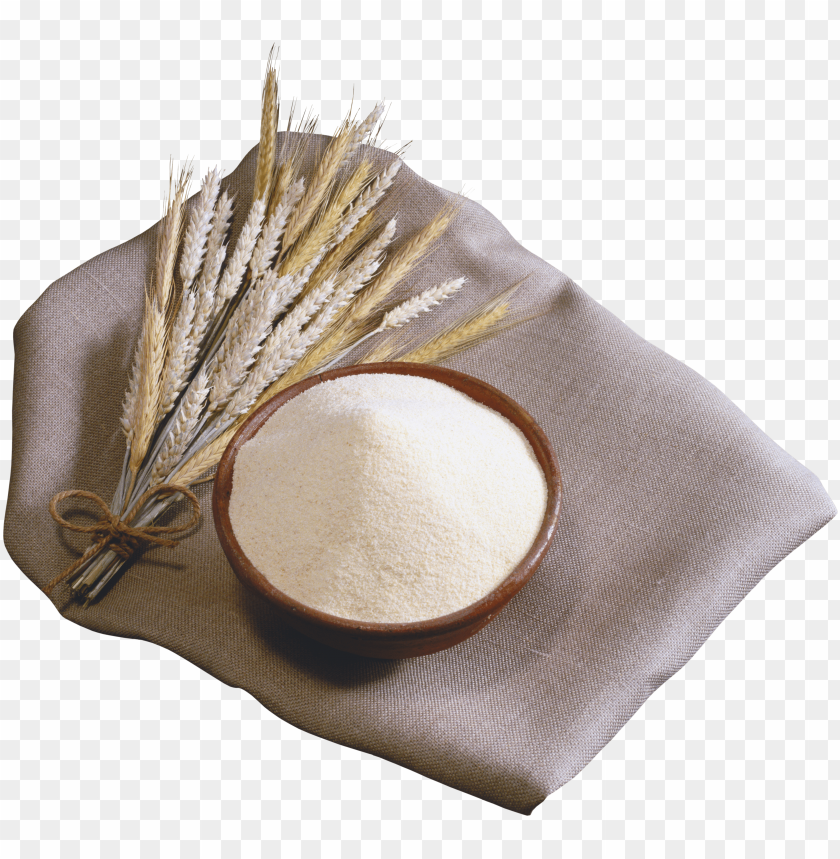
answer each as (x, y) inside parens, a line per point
(422, 303)
(181, 432)
(235, 269)
(198, 228)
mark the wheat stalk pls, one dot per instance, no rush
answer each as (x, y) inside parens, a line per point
(198, 228)
(268, 132)
(235, 269)
(180, 435)
(400, 265)
(422, 303)
(204, 459)
(282, 348)
(175, 370)
(365, 202)
(145, 392)
(339, 151)
(269, 240)
(383, 351)
(485, 321)
(319, 238)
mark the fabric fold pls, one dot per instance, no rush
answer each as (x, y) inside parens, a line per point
(675, 506)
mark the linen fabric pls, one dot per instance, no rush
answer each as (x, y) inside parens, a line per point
(675, 505)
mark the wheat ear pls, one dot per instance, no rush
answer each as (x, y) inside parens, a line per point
(282, 348)
(291, 157)
(169, 238)
(209, 278)
(181, 433)
(422, 303)
(484, 322)
(175, 370)
(359, 237)
(247, 329)
(347, 330)
(400, 265)
(338, 154)
(204, 459)
(269, 240)
(319, 238)
(333, 343)
(364, 129)
(365, 202)
(152, 355)
(198, 228)
(151, 352)
(268, 132)
(235, 269)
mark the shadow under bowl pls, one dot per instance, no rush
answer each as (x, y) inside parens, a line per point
(391, 640)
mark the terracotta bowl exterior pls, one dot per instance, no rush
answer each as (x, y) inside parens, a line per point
(391, 640)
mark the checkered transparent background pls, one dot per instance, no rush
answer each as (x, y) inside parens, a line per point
(672, 158)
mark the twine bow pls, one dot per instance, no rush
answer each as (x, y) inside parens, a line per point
(116, 532)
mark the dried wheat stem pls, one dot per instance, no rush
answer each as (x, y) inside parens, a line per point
(383, 351)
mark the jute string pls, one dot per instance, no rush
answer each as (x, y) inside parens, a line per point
(116, 532)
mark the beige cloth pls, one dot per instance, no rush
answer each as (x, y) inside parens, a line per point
(675, 506)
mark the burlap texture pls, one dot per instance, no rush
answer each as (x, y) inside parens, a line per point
(675, 506)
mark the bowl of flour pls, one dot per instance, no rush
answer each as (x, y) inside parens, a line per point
(389, 510)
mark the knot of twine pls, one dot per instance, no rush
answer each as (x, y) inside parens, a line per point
(116, 532)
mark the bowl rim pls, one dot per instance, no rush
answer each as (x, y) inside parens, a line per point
(250, 576)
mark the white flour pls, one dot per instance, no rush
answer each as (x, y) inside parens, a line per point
(386, 498)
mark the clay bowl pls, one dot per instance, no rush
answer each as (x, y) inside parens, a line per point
(391, 640)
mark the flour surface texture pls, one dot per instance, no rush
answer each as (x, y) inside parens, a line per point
(386, 498)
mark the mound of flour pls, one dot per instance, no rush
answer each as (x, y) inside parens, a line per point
(386, 498)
